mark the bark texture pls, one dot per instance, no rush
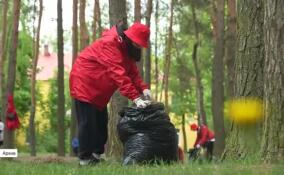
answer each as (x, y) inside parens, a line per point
(60, 83)
(117, 12)
(73, 125)
(9, 135)
(33, 83)
(273, 130)
(218, 80)
(243, 141)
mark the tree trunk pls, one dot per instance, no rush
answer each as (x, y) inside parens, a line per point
(248, 80)
(84, 37)
(168, 56)
(217, 83)
(9, 138)
(199, 87)
(117, 12)
(2, 55)
(97, 28)
(114, 145)
(156, 50)
(273, 130)
(148, 50)
(33, 84)
(60, 83)
(137, 10)
(213, 12)
(73, 127)
(95, 21)
(230, 46)
(183, 123)
(137, 18)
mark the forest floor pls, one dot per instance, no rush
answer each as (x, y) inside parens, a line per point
(53, 165)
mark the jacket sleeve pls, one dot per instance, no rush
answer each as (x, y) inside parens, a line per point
(111, 58)
(203, 135)
(136, 78)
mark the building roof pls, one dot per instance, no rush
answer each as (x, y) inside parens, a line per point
(47, 65)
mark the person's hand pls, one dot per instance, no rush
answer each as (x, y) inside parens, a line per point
(147, 93)
(197, 146)
(141, 103)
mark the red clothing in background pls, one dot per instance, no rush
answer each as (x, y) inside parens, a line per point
(203, 135)
(12, 119)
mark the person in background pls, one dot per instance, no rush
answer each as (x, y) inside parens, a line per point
(180, 155)
(2, 126)
(205, 138)
(100, 69)
(180, 151)
(12, 119)
(75, 145)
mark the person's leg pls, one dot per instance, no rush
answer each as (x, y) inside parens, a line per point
(209, 148)
(101, 133)
(85, 114)
(75, 150)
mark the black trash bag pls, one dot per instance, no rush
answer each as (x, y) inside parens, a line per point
(193, 154)
(148, 135)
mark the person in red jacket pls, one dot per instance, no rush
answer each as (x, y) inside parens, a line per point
(205, 138)
(100, 69)
(12, 118)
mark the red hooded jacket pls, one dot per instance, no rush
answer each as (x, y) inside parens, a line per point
(203, 135)
(12, 119)
(102, 68)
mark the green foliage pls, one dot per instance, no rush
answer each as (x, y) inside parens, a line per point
(22, 84)
(182, 76)
(48, 140)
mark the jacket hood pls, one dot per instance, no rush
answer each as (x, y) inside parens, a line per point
(110, 32)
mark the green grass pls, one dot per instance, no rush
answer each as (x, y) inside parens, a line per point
(114, 168)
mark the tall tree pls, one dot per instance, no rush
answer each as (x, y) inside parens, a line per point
(137, 18)
(73, 127)
(218, 78)
(199, 87)
(248, 78)
(230, 51)
(148, 50)
(213, 14)
(10, 134)
(60, 83)
(117, 12)
(156, 49)
(33, 80)
(168, 55)
(97, 26)
(273, 136)
(2, 53)
(231, 46)
(84, 36)
(137, 10)
(183, 123)
(183, 75)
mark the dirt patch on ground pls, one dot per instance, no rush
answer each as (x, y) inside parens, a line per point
(46, 159)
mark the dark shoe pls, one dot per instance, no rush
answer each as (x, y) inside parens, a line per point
(93, 160)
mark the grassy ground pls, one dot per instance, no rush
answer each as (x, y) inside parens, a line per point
(66, 166)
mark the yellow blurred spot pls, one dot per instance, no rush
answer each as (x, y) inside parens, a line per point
(244, 110)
